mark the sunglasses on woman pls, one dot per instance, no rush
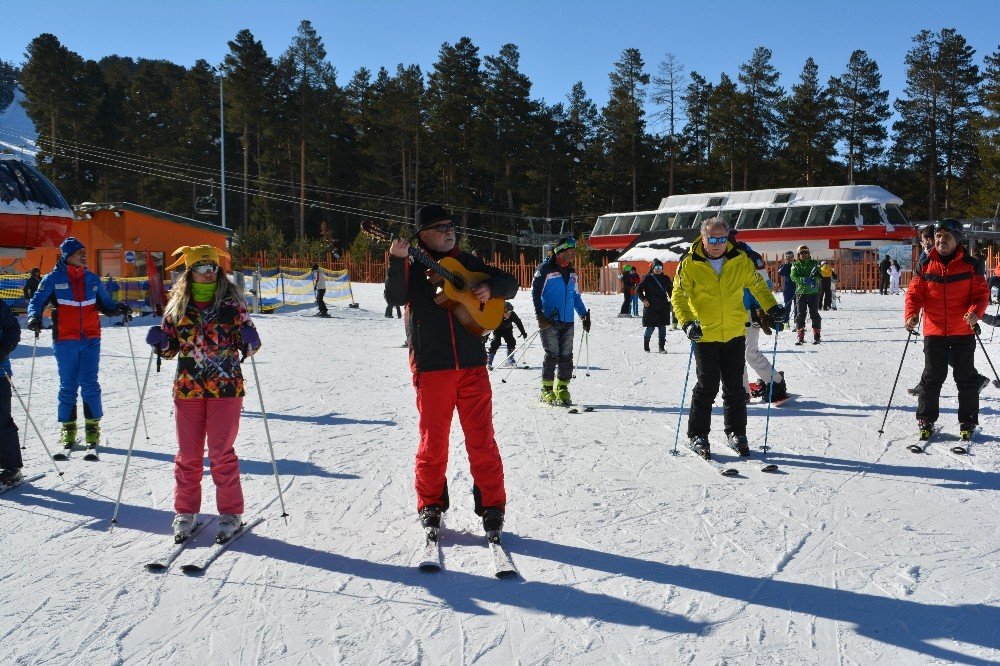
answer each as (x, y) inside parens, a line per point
(204, 269)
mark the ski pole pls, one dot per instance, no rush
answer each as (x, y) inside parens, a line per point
(586, 336)
(579, 351)
(32, 422)
(770, 394)
(267, 431)
(996, 315)
(909, 334)
(527, 343)
(31, 383)
(131, 442)
(996, 380)
(680, 408)
(513, 353)
(135, 368)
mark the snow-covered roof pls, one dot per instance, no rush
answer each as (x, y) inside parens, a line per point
(789, 196)
(664, 249)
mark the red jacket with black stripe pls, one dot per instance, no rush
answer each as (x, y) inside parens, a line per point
(946, 292)
(76, 296)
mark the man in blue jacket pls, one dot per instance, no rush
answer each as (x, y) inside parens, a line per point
(76, 296)
(554, 293)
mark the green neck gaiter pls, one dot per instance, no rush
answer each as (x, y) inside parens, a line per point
(203, 292)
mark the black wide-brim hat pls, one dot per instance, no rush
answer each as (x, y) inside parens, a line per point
(430, 214)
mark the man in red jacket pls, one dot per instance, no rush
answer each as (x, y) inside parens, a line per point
(948, 286)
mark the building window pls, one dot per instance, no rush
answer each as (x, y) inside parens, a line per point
(715, 202)
(749, 218)
(109, 262)
(782, 197)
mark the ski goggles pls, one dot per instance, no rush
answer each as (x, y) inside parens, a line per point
(717, 240)
(204, 269)
(568, 244)
(953, 227)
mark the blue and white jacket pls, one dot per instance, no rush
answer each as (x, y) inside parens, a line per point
(554, 292)
(749, 302)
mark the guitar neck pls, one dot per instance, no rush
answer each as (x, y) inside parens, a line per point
(424, 259)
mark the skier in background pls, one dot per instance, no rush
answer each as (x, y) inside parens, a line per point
(629, 280)
(31, 284)
(654, 290)
(76, 296)
(949, 289)
(634, 276)
(505, 332)
(805, 274)
(10, 449)
(319, 286)
(787, 284)
(826, 277)
(883, 275)
(894, 272)
(206, 326)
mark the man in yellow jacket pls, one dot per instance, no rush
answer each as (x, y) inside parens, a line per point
(708, 302)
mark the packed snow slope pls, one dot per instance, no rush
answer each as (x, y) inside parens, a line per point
(856, 551)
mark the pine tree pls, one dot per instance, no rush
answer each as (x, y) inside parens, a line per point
(697, 134)
(507, 112)
(623, 121)
(987, 199)
(248, 72)
(934, 133)
(731, 135)
(195, 106)
(862, 111)
(760, 125)
(8, 83)
(667, 92)
(809, 141)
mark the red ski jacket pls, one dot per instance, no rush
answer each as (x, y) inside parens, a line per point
(946, 292)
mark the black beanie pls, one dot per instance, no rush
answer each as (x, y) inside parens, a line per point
(428, 215)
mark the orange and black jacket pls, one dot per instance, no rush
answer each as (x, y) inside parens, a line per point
(946, 291)
(437, 339)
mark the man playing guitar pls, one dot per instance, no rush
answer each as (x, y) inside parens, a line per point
(449, 371)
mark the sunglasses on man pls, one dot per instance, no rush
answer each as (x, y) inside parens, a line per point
(442, 228)
(717, 240)
(204, 269)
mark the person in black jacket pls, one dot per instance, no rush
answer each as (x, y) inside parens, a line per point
(883, 275)
(654, 291)
(31, 284)
(10, 449)
(449, 371)
(505, 332)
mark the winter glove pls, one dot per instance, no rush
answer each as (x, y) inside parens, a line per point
(155, 337)
(124, 309)
(35, 324)
(586, 322)
(251, 339)
(544, 323)
(990, 320)
(775, 318)
(975, 327)
(693, 331)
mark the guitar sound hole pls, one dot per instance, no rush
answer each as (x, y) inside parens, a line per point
(458, 283)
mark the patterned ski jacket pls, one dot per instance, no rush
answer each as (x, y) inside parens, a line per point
(76, 296)
(207, 345)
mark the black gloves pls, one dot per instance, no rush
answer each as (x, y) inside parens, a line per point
(586, 322)
(693, 331)
(35, 324)
(124, 309)
(543, 322)
(990, 320)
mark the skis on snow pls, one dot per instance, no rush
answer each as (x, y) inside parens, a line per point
(503, 566)
(729, 470)
(28, 479)
(430, 556)
(216, 549)
(921, 445)
(66, 451)
(176, 549)
(430, 560)
(576, 409)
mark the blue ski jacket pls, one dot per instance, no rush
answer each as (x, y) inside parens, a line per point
(554, 292)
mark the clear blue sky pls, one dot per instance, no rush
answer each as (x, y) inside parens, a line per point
(560, 42)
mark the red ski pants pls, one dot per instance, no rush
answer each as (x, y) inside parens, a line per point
(439, 393)
(216, 420)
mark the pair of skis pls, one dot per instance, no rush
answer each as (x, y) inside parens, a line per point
(4, 488)
(921, 446)
(211, 555)
(64, 455)
(730, 471)
(431, 557)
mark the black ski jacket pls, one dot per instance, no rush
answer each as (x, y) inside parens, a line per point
(655, 289)
(437, 339)
(506, 326)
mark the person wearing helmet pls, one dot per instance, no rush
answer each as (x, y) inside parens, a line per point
(505, 332)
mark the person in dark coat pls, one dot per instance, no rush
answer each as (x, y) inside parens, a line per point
(448, 365)
(629, 280)
(654, 291)
(505, 332)
(31, 284)
(10, 449)
(883, 275)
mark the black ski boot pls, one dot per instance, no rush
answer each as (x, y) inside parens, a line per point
(9, 477)
(662, 344)
(492, 519)
(645, 344)
(430, 516)
(739, 444)
(699, 444)
(965, 431)
(815, 336)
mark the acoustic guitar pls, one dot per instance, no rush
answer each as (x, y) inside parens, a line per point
(454, 284)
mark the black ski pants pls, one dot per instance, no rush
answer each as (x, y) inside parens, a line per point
(808, 302)
(826, 292)
(715, 361)
(10, 448)
(507, 337)
(320, 303)
(388, 312)
(627, 303)
(557, 341)
(962, 352)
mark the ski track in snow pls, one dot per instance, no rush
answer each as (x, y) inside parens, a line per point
(855, 551)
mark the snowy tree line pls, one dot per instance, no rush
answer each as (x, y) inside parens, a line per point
(310, 154)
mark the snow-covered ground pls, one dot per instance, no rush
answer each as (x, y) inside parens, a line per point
(857, 551)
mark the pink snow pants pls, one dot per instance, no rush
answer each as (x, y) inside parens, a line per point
(218, 421)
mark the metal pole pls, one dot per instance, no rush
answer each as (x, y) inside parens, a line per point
(31, 382)
(770, 393)
(222, 144)
(270, 446)
(131, 442)
(526, 345)
(680, 408)
(909, 334)
(135, 369)
(32, 422)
